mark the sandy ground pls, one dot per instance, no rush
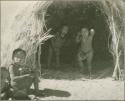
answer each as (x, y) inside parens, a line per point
(60, 87)
(97, 89)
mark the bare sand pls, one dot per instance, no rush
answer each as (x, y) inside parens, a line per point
(82, 89)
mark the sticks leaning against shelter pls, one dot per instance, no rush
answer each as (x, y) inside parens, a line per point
(114, 46)
(42, 39)
(114, 13)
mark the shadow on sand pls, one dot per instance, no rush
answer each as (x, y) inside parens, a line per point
(50, 92)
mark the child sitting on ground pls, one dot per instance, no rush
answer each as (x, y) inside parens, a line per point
(21, 75)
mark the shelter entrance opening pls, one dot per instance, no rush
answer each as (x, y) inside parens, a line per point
(77, 15)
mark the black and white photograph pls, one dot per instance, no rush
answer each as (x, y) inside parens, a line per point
(62, 50)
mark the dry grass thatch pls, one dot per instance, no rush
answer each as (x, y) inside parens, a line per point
(27, 30)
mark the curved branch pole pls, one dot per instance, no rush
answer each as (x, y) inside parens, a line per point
(116, 34)
(39, 56)
(41, 41)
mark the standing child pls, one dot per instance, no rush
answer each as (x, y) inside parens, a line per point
(21, 75)
(85, 51)
(56, 44)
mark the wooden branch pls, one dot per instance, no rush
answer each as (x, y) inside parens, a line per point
(39, 56)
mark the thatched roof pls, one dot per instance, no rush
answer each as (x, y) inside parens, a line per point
(25, 32)
(29, 25)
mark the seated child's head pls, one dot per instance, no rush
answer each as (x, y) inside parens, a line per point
(19, 56)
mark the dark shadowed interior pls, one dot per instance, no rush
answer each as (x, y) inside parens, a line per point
(77, 15)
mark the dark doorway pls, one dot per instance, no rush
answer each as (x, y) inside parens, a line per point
(77, 14)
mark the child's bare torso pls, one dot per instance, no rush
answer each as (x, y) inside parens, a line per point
(57, 41)
(20, 70)
(86, 44)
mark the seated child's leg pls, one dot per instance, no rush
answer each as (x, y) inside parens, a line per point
(36, 80)
(22, 83)
(21, 87)
(20, 94)
(36, 85)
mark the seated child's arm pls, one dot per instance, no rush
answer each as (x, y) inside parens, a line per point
(20, 77)
(13, 77)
